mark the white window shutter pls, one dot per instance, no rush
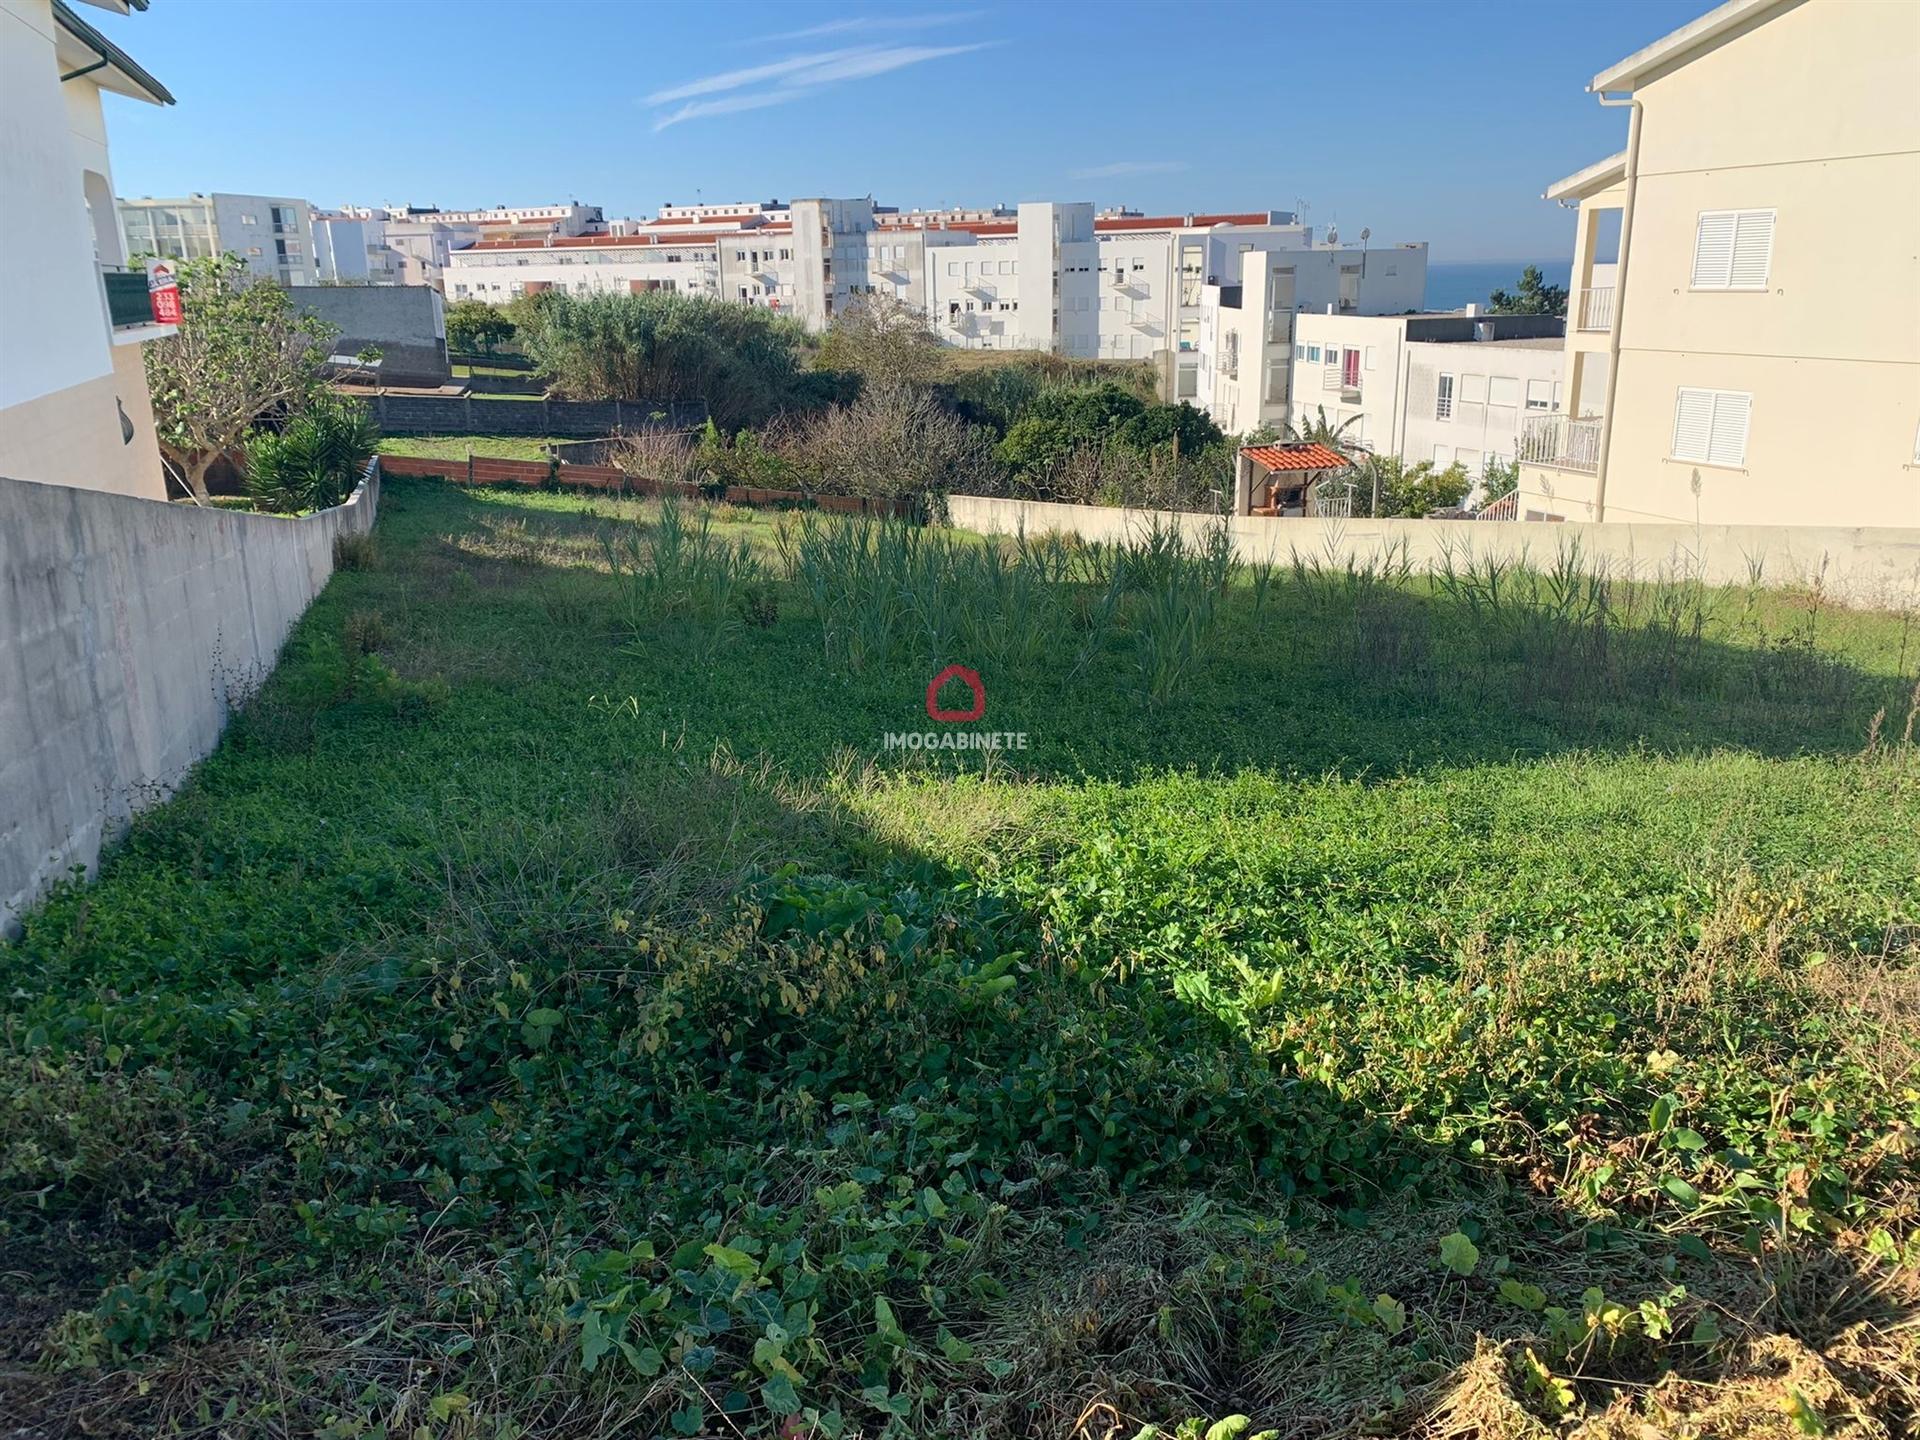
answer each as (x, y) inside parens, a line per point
(1713, 249)
(1693, 425)
(1752, 250)
(1731, 409)
(1369, 357)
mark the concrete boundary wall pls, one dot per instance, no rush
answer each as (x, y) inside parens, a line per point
(122, 624)
(1860, 566)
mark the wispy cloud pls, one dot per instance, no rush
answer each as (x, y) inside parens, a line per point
(873, 24)
(734, 79)
(794, 78)
(1130, 167)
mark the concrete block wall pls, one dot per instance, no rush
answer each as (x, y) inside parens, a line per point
(479, 415)
(1859, 566)
(120, 620)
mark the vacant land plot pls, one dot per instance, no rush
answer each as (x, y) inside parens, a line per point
(1364, 1004)
(458, 447)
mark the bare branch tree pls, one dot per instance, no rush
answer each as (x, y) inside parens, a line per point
(242, 353)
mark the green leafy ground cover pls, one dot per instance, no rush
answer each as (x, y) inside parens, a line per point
(1369, 1005)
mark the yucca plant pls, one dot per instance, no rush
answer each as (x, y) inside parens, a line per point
(314, 460)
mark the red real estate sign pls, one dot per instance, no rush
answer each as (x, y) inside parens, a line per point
(163, 292)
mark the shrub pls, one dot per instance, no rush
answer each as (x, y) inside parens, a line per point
(474, 325)
(1396, 489)
(744, 362)
(892, 443)
(666, 457)
(1062, 420)
(883, 341)
(355, 550)
(1181, 428)
(315, 460)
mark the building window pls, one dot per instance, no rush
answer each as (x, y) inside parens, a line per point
(1503, 390)
(1539, 394)
(1473, 389)
(1443, 454)
(1733, 250)
(1710, 426)
(1443, 402)
(1369, 353)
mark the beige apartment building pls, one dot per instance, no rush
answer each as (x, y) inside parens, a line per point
(1743, 336)
(73, 313)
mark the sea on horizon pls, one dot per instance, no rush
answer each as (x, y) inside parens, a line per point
(1470, 282)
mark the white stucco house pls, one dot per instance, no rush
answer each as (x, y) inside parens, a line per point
(73, 385)
(1744, 345)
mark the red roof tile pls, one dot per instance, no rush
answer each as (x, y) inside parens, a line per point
(1302, 456)
(1178, 222)
(678, 237)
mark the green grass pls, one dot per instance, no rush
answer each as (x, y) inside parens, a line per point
(456, 447)
(1365, 1005)
(467, 372)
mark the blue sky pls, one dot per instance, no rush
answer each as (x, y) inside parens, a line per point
(1437, 122)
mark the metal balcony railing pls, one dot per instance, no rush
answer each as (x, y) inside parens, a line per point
(1595, 311)
(1561, 442)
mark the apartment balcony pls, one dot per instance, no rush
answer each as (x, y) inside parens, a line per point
(1561, 442)
(1279, 327)
(1336, 383)
(1595, 309)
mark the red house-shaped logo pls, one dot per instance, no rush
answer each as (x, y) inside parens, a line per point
(972, 679)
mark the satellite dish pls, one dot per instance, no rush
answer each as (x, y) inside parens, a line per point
(1365, 235)
(1333, 234)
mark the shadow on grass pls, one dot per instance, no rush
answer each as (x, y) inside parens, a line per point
(465, 1011)
(1323, 673)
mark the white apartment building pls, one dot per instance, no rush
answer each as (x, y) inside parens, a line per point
(1055, 277)
(420, 247)
(1242, 294)
(754, 266)
(353, 250)
(770, 212)
(73, 316)
(1748, 351)
(572, 218)
(272, 233)
(1444, 388)
(409, 244)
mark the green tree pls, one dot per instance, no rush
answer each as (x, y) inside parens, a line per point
(1061, 421)
(1389, 487)
(1499, 480)
(474, 326)
(241, 354)
(1179, 428)
(1532, 296)
(885, 342)
(661, 345)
